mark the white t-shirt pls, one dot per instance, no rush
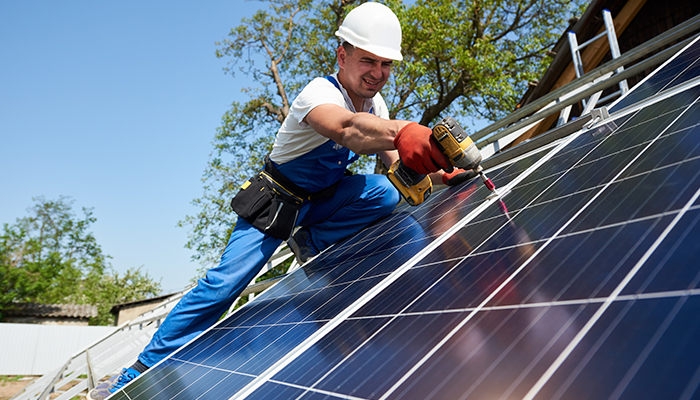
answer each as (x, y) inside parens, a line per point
(296, 138)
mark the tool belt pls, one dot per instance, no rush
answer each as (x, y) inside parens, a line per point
(271, 202)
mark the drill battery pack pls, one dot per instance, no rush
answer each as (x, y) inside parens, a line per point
(414, 187)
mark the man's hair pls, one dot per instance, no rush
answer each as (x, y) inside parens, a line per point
(347, 46)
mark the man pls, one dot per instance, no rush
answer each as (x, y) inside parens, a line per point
(331, 121)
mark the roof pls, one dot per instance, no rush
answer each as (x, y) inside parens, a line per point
(52, 310)
(636, 22)
(115, 308)
(585, 27)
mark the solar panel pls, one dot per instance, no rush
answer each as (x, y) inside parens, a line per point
(579, 281)
(677, 70)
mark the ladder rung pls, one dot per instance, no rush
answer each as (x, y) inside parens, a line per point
(604, 33)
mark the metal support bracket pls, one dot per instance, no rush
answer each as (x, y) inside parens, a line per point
(597, 115)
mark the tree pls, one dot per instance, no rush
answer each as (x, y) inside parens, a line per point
(467, 59)
(109, 289)
(52, 257)
(473, 58)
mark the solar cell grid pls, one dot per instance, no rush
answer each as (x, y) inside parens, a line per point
(608, 281)
(496, 354)
(639, 349)
(676, 71)
(586, 288)
(674, 266)
(583, 265)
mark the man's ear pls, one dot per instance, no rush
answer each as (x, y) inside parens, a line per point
(341, 55)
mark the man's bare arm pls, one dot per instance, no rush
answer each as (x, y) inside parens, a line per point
(362, 133)
(388, 157)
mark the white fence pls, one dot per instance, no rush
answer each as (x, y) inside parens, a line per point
(27, 349)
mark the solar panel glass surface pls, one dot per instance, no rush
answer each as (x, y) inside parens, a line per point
(584, 261)
(681, 68)
(580, 281)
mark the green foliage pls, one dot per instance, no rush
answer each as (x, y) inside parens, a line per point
(472, 59)
(109, 289)
(51, 257)
(467, 59)
(10, 378)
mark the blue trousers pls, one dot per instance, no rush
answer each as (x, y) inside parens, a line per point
(358, 201)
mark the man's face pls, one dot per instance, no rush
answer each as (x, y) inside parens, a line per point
(365, 73)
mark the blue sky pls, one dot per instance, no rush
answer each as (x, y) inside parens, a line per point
(115, 104)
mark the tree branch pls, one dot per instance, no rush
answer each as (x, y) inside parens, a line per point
(457, 90)
(284, 111)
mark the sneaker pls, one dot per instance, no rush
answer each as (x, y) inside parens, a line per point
(302, 246)
(113, 384)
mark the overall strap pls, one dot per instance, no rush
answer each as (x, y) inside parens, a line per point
(337, 86)
(293, 188)
(333, 81)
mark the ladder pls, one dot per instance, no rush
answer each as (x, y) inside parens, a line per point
(578, 66)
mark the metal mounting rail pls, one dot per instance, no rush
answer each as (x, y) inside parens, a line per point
(525, 116)
(638, 52)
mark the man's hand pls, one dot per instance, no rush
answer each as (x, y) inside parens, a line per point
(418, 151)
(457, 176)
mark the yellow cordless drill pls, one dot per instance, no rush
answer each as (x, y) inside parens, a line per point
(457, 147)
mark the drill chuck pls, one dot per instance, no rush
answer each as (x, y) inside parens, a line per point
(456, 145)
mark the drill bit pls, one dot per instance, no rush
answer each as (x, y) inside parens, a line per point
(487, 181)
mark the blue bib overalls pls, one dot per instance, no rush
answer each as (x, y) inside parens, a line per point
(359, 200)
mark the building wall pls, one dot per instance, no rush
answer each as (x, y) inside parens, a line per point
(28, 349)
(130, 314)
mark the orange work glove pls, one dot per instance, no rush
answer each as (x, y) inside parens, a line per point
(457, 176)
(418, 150)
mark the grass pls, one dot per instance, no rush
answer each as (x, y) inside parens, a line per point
(10, 378)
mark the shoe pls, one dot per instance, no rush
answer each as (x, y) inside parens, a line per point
(113, 384)
(302, 246)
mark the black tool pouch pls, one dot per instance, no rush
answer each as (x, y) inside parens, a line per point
(271, 202)
(282, 218)
(261, 202)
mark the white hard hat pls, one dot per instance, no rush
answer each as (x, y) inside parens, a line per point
(373, 27)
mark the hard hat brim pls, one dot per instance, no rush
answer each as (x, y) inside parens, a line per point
(383, 52)
(379, 51)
